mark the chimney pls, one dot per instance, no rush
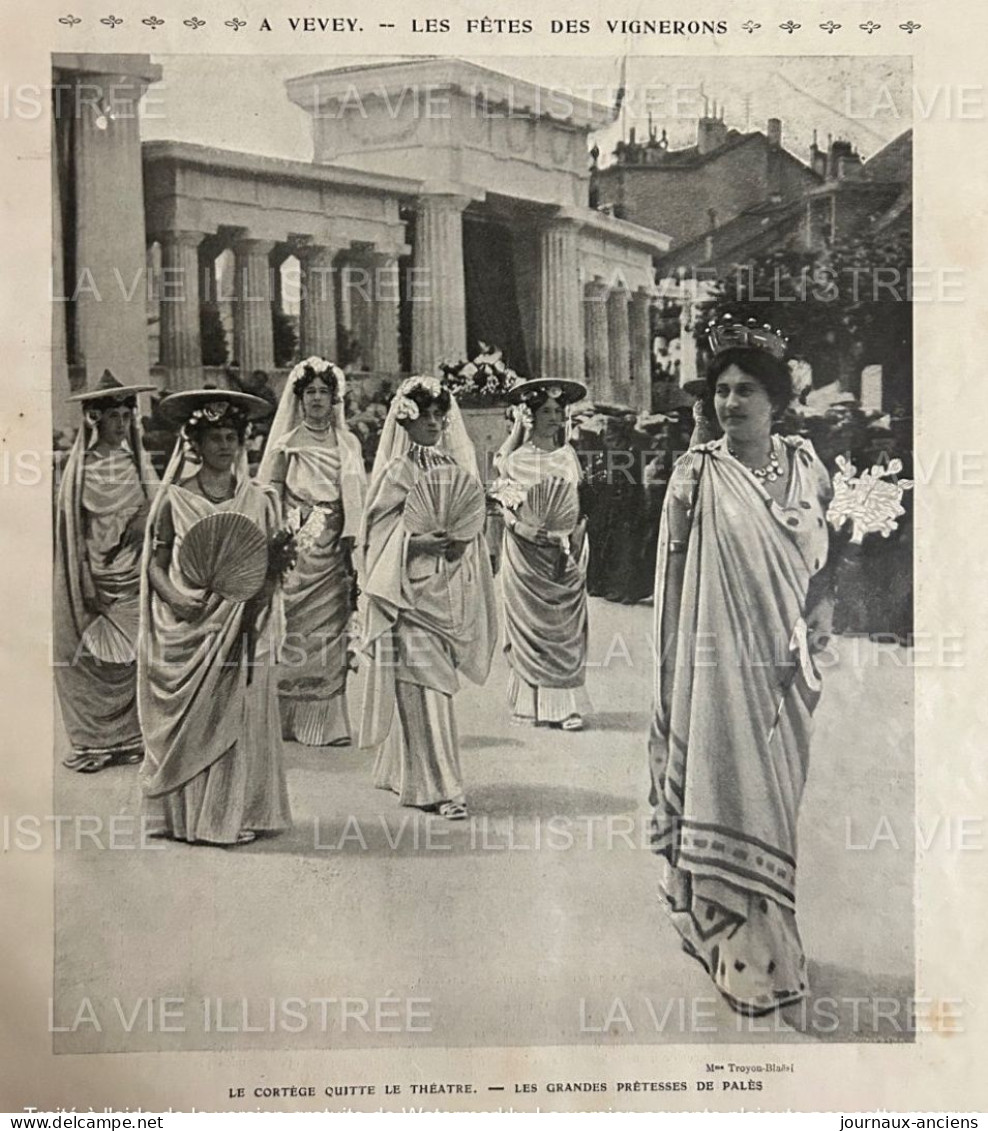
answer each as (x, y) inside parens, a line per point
(850, 168)
(631, 136)
(711, 133)
(839, 149)
(818, 159)
(774, 133)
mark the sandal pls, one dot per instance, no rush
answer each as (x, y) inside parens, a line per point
(90, 763)
(522, 720)
(130, 758)
(453, 810)
(572, 722)
(245, 836)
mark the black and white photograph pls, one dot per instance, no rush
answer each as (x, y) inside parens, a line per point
(483, 551)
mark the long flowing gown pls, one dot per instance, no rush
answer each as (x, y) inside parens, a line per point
(322, 494)
(734, 694)
(208, 702)
(428, 619)
(545, 603)
(94, 653)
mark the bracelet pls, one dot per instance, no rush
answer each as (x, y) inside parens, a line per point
(677, 547)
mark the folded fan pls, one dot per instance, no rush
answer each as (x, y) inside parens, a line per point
(111, 636)
(446, 500)
(552, 504)
(226, 553)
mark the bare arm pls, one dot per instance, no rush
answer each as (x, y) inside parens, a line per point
(184, 607)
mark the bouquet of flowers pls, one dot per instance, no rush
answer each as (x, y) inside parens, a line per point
(282, 554)
(870, 502)
(483, 381)
(508, 492)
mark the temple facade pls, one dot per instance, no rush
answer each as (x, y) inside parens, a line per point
(446, 205)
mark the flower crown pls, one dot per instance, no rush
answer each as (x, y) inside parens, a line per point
(319, 365)
(94, 413)
(216, 412)
(404, 407)
(729, 334)
(554, 392)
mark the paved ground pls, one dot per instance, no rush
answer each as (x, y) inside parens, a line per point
(510, 940)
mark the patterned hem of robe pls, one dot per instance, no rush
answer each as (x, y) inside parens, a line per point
(748, 944)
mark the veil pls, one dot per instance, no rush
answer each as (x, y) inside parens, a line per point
(289, 417)
(394, 442)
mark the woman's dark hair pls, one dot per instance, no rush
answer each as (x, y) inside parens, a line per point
(104, 403)
(233, 418)
(328, 378)
(770, 372)
(536, 398)
(422, 398)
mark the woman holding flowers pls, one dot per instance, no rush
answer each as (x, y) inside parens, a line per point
(741, 603)
(430, 600)
(213, 769)
(314, 462)
(544, 570)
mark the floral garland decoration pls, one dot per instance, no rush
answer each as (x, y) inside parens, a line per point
(485, 379)
(214, 413)
(319, 365)
(404, 407)
(870, 502)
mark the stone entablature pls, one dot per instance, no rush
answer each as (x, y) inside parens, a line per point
(201, 188)
(450, 120)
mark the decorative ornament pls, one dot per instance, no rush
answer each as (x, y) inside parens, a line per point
(405, 407)
(769, 473)
(730, 334)
(319, 365)
(870, 502)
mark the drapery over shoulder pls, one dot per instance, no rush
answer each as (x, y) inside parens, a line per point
(728, 766)
(193, 677)
(448, 606)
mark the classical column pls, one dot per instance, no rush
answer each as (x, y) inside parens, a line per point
(595, 295)
(111, 271)
(383, 356)
(253, 334)
(619, 343)
(181, 345)
(318, 303)
(560, 343)
(641, 350)
(439, 312)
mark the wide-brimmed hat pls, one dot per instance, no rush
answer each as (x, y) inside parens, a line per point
(108, 388)
(568, 392)
(178, 407)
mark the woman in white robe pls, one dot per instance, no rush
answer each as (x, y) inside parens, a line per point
(103, 502)
(430, 608)
(315, 463)
(213, 771)
(544, 573)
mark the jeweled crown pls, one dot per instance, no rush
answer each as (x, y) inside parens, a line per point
(730, 333)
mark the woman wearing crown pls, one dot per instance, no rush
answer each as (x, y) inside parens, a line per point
(102, 508)
(315, 463)
(544, 570)
(430, 597)
(740, 606)
(213, 769)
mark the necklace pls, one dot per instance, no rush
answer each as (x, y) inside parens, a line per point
(769, 473)
(318, 432)
(212, 498)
